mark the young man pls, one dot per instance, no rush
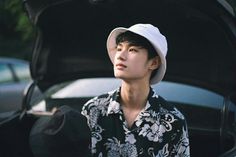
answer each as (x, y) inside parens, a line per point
(133, 120)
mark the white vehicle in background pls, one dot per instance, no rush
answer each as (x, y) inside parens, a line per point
(14, 77)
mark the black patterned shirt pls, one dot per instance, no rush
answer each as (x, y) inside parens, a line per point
(159, 130)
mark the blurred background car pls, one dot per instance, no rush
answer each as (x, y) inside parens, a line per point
(14, 77)
(71, 45)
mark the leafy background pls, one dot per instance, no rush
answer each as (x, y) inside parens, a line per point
(16, 31)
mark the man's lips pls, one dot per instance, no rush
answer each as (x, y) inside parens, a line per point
(120, 65)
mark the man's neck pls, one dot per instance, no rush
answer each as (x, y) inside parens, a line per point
(133, 100)
(134, 96)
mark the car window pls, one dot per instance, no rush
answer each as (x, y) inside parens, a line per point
(5, 74)
(81, 88)
(188, 94)
(22, 72)
(176, 92)
(87, 88)
(171, 91)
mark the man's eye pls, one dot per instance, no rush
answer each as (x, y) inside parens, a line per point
(133, 50)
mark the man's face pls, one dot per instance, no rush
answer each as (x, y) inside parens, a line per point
(131, 62)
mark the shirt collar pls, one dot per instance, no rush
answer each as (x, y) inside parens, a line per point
(114, 105)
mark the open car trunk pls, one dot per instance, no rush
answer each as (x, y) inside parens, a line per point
(71, 41)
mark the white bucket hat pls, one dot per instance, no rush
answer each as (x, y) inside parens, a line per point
(152, 34)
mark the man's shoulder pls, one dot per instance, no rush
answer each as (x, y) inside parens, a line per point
(164, 106)
(158, 101)
(100, 101)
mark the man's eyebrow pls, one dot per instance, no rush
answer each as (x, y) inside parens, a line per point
(130, 44)
(136, 45)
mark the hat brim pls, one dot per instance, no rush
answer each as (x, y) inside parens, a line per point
(111, 48)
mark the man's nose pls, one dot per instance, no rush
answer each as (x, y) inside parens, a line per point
(122, 55)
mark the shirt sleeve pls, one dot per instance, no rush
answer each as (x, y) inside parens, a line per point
(180, 146)
(183, 147)
(87, 111)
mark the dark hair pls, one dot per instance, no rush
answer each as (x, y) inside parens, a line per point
(138, 40)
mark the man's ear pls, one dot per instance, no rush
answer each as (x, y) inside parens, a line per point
(155, 63)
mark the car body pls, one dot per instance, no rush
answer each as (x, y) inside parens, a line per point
(15, 75)
(201, 61)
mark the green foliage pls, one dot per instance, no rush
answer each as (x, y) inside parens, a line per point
(16, 31)
(20, 19)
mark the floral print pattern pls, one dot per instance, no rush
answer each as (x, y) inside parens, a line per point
(160, 129)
